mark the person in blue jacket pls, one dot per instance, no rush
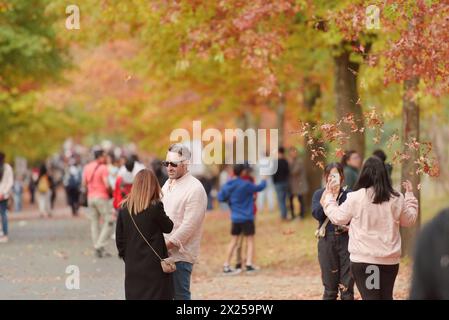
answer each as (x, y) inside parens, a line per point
(238, 193)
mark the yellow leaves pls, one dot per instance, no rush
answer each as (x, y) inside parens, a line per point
(182, 65)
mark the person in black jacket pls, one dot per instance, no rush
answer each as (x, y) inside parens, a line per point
(430, 279)
(144, 278)
(333, 254)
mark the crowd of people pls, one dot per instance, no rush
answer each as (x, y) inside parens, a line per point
(156, 217)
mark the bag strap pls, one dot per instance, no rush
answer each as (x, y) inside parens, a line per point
(326, 222)
(143, 237)
(324, 225)
(93, 174)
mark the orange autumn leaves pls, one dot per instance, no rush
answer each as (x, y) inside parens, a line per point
(251, 32)
(332, 133)
(417, 29)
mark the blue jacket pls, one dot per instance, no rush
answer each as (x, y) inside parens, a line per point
(238, 193)
(318, 211)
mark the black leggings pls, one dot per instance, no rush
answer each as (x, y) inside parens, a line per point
(375, 281)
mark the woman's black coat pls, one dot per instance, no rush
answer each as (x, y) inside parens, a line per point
(144, 278)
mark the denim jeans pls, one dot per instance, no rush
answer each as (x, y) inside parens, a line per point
(181, 280)
(3, 212)
(281, 192)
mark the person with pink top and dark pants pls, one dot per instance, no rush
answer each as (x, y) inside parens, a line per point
(376, 212)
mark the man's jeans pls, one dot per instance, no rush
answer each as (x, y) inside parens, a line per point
(281, 192)
(3, 213)
(181, 280)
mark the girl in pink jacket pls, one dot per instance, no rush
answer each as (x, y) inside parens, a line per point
(376, 212)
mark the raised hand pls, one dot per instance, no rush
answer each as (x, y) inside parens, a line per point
(407, 186)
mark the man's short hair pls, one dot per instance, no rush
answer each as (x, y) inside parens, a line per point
(98, 153)
(239, 168)
(181, 150)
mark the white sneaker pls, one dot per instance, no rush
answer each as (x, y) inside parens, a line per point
(228, 271)
(3, 239)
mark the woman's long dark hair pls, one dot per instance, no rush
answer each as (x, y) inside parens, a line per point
(375, 175)
(42, 170)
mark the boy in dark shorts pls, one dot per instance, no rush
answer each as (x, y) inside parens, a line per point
(239, 195)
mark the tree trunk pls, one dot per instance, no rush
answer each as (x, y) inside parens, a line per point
(280, 120)
(312, 91)
(347, 98)
(410, 130)
(245, 121)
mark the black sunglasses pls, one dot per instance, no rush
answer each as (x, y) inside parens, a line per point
(173, 164)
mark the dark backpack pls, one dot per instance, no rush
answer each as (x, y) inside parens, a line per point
(74, 181)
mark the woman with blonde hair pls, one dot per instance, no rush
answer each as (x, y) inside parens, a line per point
(140, 242)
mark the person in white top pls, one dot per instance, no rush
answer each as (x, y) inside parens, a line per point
(6, 184)
(137, 167)
(185, 203)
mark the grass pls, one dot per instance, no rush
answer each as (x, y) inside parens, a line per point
(283, 246)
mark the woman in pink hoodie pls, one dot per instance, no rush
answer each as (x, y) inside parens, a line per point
(376, 212)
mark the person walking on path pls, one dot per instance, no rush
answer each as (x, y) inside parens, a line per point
(297, 181)
(376, 212)
(95, 180)
(333, 254)
(18, 193)
(185, 202)
(72, 184)
(239, 194)
(280, 179)
(142, 218)
(6, 184)
(267, 195)
(351, 162)
(44, 186)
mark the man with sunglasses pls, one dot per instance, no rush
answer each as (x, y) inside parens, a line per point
(185, 203)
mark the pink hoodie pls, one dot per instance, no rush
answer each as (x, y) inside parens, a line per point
(374, 230)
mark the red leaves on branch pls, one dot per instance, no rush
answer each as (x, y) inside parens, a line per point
(250, 31)
(426, 39)
(415, 29)
(329, 133)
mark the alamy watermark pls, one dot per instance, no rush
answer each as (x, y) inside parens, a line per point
(373, 280)
(372, 19)
(72, 281)
(72, 22)
(233, 146)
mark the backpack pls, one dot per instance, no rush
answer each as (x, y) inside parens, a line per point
(44, 184)
(74, 181)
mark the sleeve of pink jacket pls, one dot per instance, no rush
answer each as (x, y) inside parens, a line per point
(340, 215)
(409, 210)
